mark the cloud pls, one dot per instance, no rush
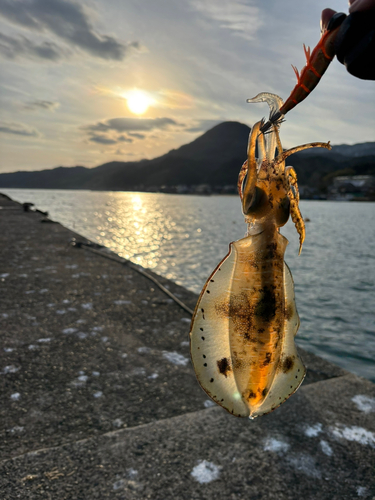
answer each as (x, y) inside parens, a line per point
(122, 138)
(41, 104)
(121, 152)
(132, 124)
(104, 139)
(174, 99)
(136, 135)
(18, 129)
(112, 131)
(241, 18)
(68, 21)
(203, 125)
(12, 48)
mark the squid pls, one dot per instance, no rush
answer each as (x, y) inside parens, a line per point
(244, 324)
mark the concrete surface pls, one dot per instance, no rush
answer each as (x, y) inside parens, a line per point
(99, 399)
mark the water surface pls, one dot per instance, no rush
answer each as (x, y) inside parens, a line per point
(185, 237)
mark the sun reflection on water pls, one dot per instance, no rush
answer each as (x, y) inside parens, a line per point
(164, 232)
(135, 228)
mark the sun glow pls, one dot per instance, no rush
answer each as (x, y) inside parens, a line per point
(138, 101)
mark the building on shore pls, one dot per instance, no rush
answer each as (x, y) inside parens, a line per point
(352, 187)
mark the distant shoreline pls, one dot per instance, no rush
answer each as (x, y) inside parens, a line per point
(320, 198)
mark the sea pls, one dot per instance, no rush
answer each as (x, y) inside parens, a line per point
(184, 237)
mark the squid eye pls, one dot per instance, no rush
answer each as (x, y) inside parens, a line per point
(251, 204)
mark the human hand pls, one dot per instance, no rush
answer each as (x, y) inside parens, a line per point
(361, 5)
(355, 42)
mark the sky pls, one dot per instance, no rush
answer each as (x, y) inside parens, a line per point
(84, 83)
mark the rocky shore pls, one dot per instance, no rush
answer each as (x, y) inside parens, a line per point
(99, 399)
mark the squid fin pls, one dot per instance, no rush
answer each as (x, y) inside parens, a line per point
(209, 336)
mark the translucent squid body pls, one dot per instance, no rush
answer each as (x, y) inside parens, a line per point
(243, 327)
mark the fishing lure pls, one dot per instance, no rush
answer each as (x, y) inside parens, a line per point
(317, 63)
(243, 327)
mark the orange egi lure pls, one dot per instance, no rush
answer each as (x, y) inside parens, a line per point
(317, 63)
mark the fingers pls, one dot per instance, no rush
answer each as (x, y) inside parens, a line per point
(355, 43)
(361, 5)
(325, 18)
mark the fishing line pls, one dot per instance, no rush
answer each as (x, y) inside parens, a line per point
(95, 248)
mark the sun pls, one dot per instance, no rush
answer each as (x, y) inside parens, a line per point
(138, 102)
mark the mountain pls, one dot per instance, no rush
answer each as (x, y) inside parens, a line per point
(214, 158)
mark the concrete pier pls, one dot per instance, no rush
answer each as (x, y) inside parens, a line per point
(99, 399)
